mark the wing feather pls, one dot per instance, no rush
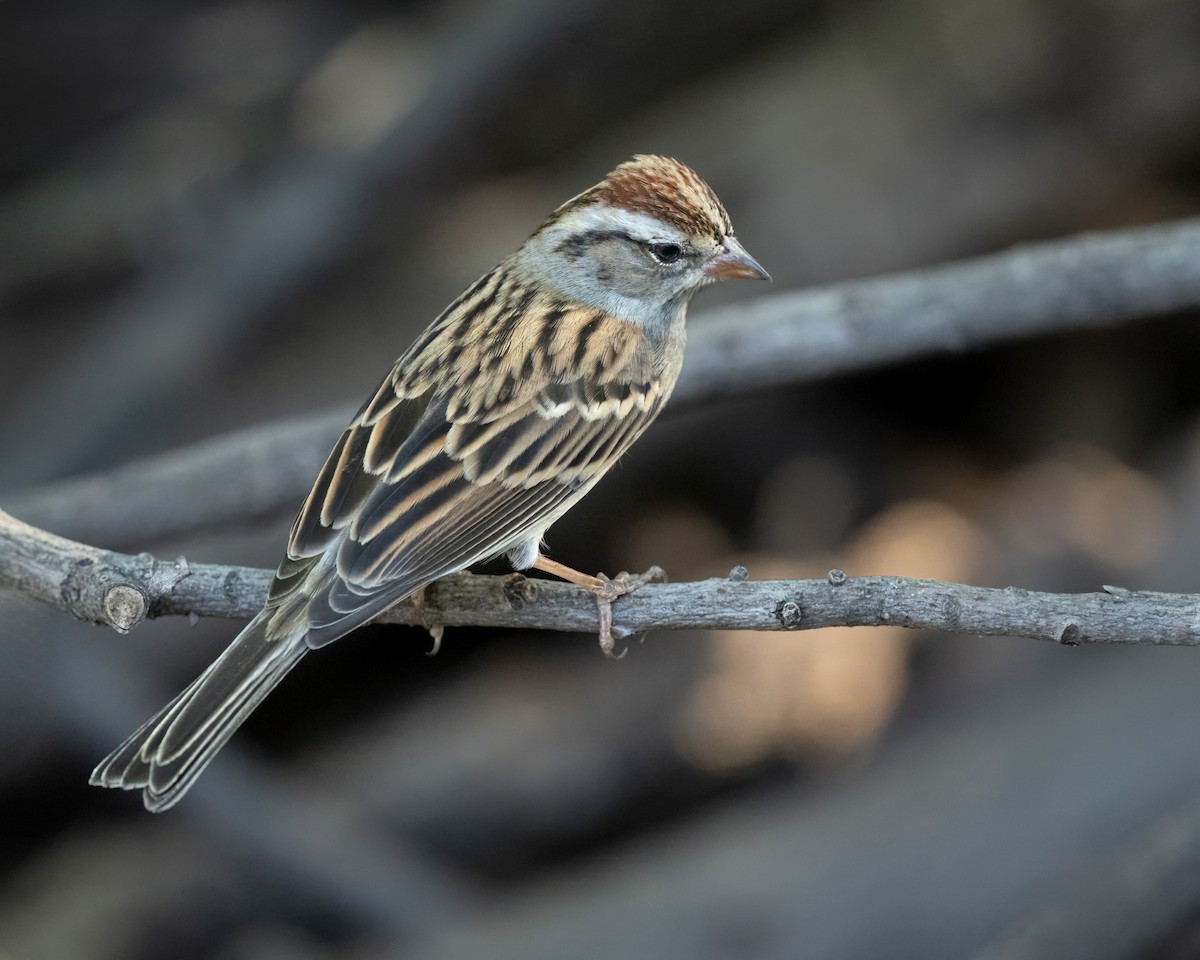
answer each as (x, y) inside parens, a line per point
(443, 467)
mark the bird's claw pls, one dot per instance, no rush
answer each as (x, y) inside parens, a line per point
(609, 589)
(436, 630)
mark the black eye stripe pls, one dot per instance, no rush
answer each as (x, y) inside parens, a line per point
(662, 251)
(576, 244)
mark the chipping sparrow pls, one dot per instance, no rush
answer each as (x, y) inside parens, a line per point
(502, 415)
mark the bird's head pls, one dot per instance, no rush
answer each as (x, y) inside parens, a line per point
(640, 243)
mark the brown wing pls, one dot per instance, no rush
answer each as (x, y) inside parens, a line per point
(424, 483)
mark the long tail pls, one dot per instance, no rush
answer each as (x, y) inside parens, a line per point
(168, 752)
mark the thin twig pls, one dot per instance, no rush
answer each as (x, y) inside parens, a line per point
(83, 581)
(1090, 281)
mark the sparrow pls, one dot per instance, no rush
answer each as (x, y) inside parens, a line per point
(501, 416)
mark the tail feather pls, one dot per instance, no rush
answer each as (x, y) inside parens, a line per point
(167, 753)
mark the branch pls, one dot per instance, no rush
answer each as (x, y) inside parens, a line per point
(120, 590)
(241, 475)
(1089, 281)
(94, 585)
(1084, 282)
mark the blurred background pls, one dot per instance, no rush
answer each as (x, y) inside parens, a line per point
(217, 214)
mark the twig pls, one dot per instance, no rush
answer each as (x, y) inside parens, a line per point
(84, 580)
(94, 585)
(1095, 280)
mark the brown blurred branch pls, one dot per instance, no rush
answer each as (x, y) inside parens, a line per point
(1089, 281)
(120, 590)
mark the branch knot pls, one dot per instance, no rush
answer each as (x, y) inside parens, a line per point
(790, 614)
(119, 593)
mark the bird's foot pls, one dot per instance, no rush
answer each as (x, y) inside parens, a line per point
(608, 589)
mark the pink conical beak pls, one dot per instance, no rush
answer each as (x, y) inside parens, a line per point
(732, 262)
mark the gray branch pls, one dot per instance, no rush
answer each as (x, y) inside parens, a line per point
(120, 590)
(1090, 281)
(1084, 282)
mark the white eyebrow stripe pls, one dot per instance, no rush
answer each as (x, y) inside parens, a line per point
(638, 226)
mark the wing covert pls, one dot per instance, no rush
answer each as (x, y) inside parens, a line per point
(482, 435)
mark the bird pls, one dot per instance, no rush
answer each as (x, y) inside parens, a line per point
(499, 418)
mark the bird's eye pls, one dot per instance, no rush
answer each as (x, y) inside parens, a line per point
(666, 252)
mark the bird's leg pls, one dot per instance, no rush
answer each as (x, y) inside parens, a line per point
(606, 590)
(435, 629)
